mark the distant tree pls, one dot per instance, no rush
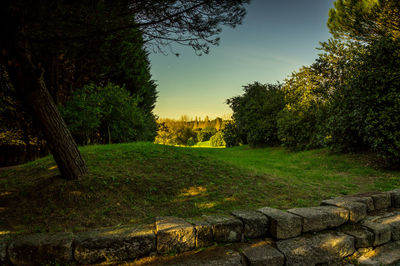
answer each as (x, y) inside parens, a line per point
(218, 123)
(205, 134)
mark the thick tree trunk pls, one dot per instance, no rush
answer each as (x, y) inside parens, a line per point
(31, 87)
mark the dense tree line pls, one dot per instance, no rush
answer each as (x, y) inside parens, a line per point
(188, 132)
(347, 100)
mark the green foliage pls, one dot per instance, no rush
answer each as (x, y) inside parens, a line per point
(205, 134)
(218, 140)
(104, 114)
(173, 132)
(126, 63)
(231, 135)
(369, 106)
(255, 112)
(298, 122)
(311, 92)
(190, 142)
(365, 20)
(183, 134)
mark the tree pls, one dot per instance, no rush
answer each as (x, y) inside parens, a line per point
(255, 112)
(36, 33)
(231, 135)
(365, 20)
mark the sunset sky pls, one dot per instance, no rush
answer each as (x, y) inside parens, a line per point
(276, 38)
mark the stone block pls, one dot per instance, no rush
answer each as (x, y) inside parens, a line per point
(226, 229)
(218, 256)
(174, 234)
(282, 225)
(363, 199)
(40, 249)
(382, 232)
(363, 237)
(204, 233)
(114, 244)
(262, 253)
(316, 249)
(382, 200)
(319, 218)
(395, 196)
(357, 210)
(255, 223)
(388, 254)
(393, 220)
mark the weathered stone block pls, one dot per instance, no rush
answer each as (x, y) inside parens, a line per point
(388, 254)
(219, 256)
(357, 210)
(395, 196)
(282, 225)
(393, 220)
(174, 234)
(226, 228)
(382, 232)
(40, 249)
(363, 199)
(320, 218)
(114, 244)
(363, 237)
(316, 249)
(382, 200)
(262, 253)
(255, 223)
(204, 233)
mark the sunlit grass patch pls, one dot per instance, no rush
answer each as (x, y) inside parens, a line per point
(133, 183)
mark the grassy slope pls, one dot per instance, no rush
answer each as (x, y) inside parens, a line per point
(133, 183)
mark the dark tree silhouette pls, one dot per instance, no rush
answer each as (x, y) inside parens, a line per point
(34, 33)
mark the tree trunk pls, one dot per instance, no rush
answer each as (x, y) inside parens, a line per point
(31, 87)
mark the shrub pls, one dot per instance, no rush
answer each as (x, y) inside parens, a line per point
(218, 139)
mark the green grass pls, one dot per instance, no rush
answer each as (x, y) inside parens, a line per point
(133, 183)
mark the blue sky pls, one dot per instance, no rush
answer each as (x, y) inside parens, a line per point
(276, 38)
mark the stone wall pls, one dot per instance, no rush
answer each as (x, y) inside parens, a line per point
(362, 229)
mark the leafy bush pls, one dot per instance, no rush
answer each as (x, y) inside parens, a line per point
(255, 112)
(190, 142)
(218, 139)
(103, 114)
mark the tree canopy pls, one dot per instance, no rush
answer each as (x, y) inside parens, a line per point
(365, 20)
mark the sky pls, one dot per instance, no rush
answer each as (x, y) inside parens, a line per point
(276, 38)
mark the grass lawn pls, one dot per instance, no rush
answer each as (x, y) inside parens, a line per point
(133, 183)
